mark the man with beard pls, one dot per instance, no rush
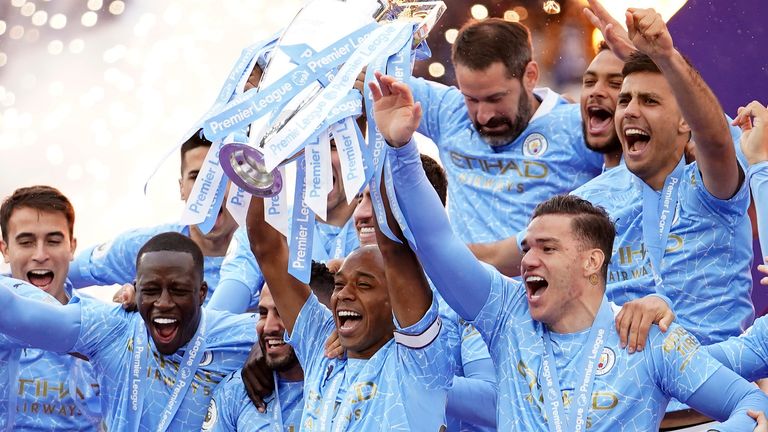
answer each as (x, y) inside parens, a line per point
(599, 90)
(38, 226)
(504, 144)
(552, 338)
(231, 409)
(157, 368)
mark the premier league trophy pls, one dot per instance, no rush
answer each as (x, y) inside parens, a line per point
(300, 92)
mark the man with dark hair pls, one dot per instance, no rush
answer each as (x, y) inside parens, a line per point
(396, 374)
(37, 224)
(231, 409)
(682, 230)
(552, 338)
(505, 144)
(114, 262)
(157, 368)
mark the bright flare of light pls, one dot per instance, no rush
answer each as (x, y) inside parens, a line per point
(451, 35)
(17, 32)
(116, 7)
(3, 59)
(511, 16)
(18, 3)
(40, 18)
(436, 69)
(76, 46)
(28, 9)
(521, 11)
(597, 37)
(95, 5)
(552, 7)
(89, 19)
(479, 11)
(667, 8)
(3, 25)
(55, 47)
(58, 21)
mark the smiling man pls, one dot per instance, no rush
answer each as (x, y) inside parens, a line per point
(157, 368)
(681, 230)
(552, 338)
(396, 374)
(38, 242)
(231, 408)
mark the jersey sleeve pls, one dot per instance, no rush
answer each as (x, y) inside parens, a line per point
(678, 363)
(758, 181)
(731, 210)
(747, 355)
(113, 262)
(38, 322)
(239, 270)
(448, 262)
(312, 328)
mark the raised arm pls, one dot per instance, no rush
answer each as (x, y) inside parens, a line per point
(462, 281)
(715, 154)
(46, 325)
(409, 292)
(503, 254)
(753, 121)
(271, 251)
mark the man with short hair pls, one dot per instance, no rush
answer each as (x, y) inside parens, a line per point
(231, 409)
(113, 262)
(505, 144)
(552, 338)
(396, 373)
(44, 391)
(157, 368)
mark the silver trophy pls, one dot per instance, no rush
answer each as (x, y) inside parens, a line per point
(318, 24)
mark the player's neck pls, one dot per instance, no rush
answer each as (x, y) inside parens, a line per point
(656, 180)
(339, 215)
(580, 313)
(60, 295)
(211, 246)
(294, 374)
(369, 352)
(612, 160)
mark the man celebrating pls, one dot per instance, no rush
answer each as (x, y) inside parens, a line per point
(157, 368)
(52, 391)
(504, 144)
(681, 230)
(553, 342)
(385, 383)
(231, 409)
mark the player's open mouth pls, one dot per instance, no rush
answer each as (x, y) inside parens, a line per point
(600, 120)
(40, 278)
(536, 285)
(274, 344)
(165, 329)
(367, 234)
(637, 140)
(348, 321)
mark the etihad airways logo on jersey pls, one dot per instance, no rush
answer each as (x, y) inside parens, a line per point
(526, 169)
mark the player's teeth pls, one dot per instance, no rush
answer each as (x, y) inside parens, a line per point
(164, 320)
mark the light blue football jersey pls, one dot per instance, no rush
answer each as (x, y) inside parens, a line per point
(493, 191)
(705, 269)
(630, 391)
(231, 410)
(106, 337)
(399, 388)
(52, 391)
